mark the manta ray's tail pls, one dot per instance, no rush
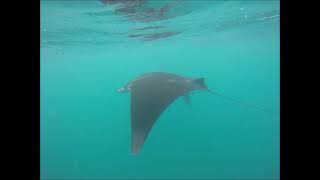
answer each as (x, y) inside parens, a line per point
(240, 102)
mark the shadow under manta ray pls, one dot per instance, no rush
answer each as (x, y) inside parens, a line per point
(151, 94)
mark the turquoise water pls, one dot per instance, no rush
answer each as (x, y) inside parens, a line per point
(90, 49)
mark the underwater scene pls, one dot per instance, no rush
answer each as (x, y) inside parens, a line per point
(159, 89)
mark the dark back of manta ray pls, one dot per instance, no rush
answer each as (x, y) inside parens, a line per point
(150, 97)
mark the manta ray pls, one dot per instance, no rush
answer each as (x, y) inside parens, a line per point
(151, 94)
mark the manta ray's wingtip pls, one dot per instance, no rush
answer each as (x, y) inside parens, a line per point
(135, 153)
(135, 150)
(137, 143)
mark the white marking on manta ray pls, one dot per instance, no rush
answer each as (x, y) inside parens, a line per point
(121, 89)
(172, 80)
